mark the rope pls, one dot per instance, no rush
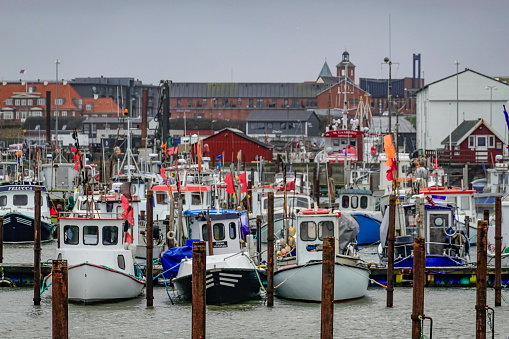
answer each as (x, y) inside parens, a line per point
(256, 271)
(422, 328)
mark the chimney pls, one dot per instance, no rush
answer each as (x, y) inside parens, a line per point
(96, 96)
(64, 82)
(45, 83)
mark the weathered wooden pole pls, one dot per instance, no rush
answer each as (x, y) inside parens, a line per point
(59, 302)
(482, 263)
(150, 248)
(209, 233)
(198, 289)
(486, 215)
(390, 249)
(1, 239)
(37, 247)
(328, 259)
(498, 251)
(419, 279)
(270, 250)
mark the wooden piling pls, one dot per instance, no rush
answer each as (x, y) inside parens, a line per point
(482, 263)
(37, 247)
(209, 234)
(486, 215)
(198, 289)
(1, 239)
(150, 248)
(498, 251)
(328, 259)
(390, 250)
(419, 280)
(270, 250)
(59, 301)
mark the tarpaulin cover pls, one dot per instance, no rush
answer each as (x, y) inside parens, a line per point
(174, 256)
(348, 230)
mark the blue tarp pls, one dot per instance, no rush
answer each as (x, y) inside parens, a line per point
(174, 256)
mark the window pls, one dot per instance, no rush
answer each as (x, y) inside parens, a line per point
(355, 202)
(90, 235)
(23, 114)
(86, 128)
(30, 102)
(239, 101)
(204, 232)
(224, 103)
(218, 231)
(335, 142)
(3, 200)
(295, 102)
(233, 230)
(88, 107)
(325, 229)
(55, 114)
(59, 101)
(8, 115)
(471, 141)
(64, 113)
(491, 141)
(481, 141)
(250, 102)
(71, 235)
(195, 199)
(41, 101)
(17, 102)
(215, 102)
(110, 235)
(23, 102)
(307, 231)
(204, 102)
(121, 262)
(36, 113)
(259, 103)
(178, 103)
(162, 198)
(17, 115)
(8, 102)
(20, 199)
(345, 201)
(189, 102)
(283, 126)
(364, 202)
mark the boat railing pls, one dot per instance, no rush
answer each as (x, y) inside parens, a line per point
(90, 214)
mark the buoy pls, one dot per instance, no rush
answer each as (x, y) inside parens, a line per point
(171, 235)
(283, 251)
(278, 253)
(291, 241)
(291, 232)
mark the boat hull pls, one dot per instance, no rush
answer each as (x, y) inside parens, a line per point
(304, 282)
(432, 260)
(224, 286)
(90, 283)
(19, 228)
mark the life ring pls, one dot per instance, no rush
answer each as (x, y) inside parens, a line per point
(170, 235)
(317, 211)
(418, 218)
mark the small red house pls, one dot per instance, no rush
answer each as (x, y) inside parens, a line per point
(473, 141)
(229, 141)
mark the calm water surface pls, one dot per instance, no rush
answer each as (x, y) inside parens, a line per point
(452, 310)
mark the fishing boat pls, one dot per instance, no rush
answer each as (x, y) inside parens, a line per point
(299, 276)
(505, 237)
(231, 276)
(17, 205)
(446, 244)
(100, 268)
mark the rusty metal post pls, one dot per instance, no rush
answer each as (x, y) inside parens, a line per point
(259, 237)
(37, 247)
(390, 249)
(498, 251)
(209, 234)
(328, 259)
(59, 301)
(150, 248)
(198, 289)
(270, 250)
(1, 239)
(419, 279)
(482, 263)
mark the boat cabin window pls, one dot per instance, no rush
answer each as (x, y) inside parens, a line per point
(345, 201)
(355, 202)
(121, 262)
(335, 142)
(110, 235)
(3, 200)
(204, 232)
(218, 231)
(364, 202)
(196, 199)
(307, 231)
(90, 235)
(71, 235)
(233, 230)
(465, 203)
(162, 198)
(176, 197)
(439, 220)
(297, 202)
(325, 229)
(20, 199)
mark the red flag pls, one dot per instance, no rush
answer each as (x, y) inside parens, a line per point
(290, 186)
(77, 166)
(128, 237)
(243, 182)
(389, 175)
(229, 182)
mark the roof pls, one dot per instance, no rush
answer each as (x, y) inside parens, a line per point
(465, 129)
(64, 123)
(280, 115)
(325, 72)
(243, 135)
(378, 88)
(344, 64)
(329, 80)
(38, 90)
(245, 90)
(101, 105)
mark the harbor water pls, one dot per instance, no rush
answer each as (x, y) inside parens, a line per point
(452, 310)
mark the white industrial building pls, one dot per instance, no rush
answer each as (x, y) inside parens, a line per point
(442, 105)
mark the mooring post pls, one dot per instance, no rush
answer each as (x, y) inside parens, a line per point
(150, 248)
(328, 262)
(198, 289)
(259, 237)
(390, 249)
(59, 302)
(480, 307)
(419, 279)
(37, 247)
(1, 239)
(486, 215)
(270, 250)
(498, 251)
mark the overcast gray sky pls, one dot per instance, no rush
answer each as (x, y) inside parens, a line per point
(249, 41)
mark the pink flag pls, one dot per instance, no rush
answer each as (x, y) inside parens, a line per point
(243, 182)
(230, 188)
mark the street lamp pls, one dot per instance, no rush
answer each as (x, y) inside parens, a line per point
(57, 62)
(457, 63)
(491, 88)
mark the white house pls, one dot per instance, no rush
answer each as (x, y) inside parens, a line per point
(442, 105)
